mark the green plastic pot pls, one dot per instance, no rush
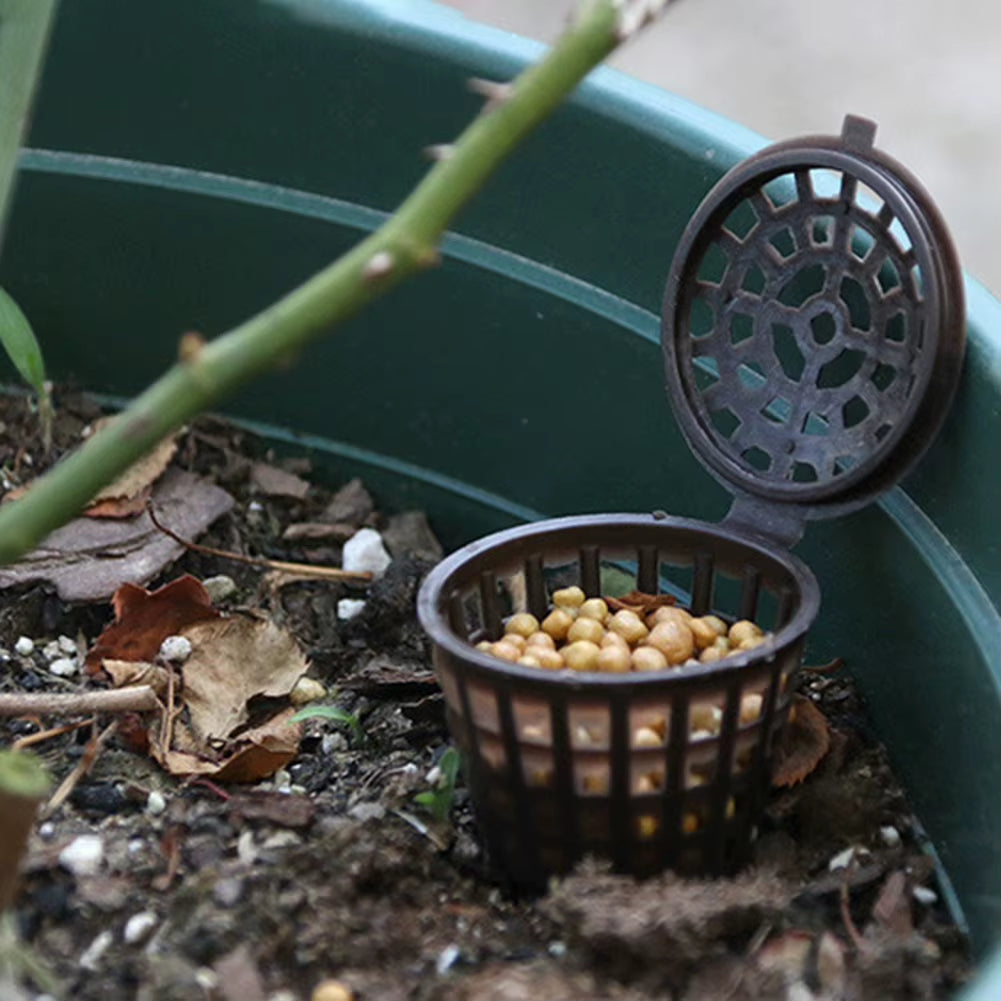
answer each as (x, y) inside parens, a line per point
(190, 161)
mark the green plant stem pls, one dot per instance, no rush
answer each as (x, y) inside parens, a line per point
(24, 30)
(404, 245)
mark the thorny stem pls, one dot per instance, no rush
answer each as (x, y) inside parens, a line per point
(404, 245)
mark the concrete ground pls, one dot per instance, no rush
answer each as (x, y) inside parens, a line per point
(928, 71)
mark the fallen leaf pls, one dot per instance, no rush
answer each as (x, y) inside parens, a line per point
(255, 755)
(120, 507)
(238, 667)
(640, 602)
(133, 732)
(804, 741)
(274, 482)
(136, 672)
(232, 661)
(88, 558)
(144, 619)
(140, 476)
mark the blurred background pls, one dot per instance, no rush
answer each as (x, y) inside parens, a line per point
(928, 71)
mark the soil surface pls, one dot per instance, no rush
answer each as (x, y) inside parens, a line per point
(333, 870)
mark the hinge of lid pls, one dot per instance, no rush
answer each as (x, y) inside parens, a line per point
(773, 523)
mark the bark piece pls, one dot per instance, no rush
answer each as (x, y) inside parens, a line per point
(89, 558)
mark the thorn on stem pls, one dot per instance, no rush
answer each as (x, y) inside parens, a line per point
(495, 92)
(439, 152)
(634, 14)
(429, 257)
(190, 347)
(379, 265)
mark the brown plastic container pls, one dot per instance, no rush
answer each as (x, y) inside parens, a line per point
(813, 337)
(551, 758)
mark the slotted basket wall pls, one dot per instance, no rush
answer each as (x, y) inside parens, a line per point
(553, 761)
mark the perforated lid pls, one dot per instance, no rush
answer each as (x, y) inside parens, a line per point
(813, 327)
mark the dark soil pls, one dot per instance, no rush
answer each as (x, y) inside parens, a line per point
(333, 870)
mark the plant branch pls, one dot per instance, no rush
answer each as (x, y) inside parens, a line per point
(406, 244)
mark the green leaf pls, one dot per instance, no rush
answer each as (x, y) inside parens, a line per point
(449, 765)
(438, 801)
(20, 343)
(335, 713)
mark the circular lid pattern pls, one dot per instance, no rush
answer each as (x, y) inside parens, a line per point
(813, 324)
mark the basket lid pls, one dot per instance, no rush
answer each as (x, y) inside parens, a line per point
(813, 328)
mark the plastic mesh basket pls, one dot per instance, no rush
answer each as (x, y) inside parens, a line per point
(813, 338)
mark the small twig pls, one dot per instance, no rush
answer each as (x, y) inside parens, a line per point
(170, 845)
(303, 569)
(57, 731)
(141, 698)
(212, 787)
(83, 766)
(847, 919)
(169, 714)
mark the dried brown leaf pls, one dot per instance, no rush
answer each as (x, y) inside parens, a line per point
(140, 476)
(136, 672)
(804, 742)
(133, 733)
(120, 507)
(234, 660)
(144, 619)
(255, 755)
(640, 602)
